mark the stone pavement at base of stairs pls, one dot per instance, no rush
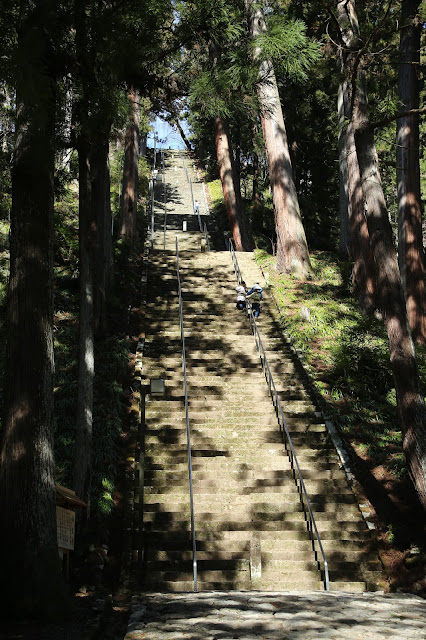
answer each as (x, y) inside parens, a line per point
(254, 615)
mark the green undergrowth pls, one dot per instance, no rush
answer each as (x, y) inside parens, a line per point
(218, 208)
(111, 369)
(346, 354)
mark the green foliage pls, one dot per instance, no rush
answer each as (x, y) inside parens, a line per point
(286, 44)
(112, 357)
(116, 177)
(66, 231)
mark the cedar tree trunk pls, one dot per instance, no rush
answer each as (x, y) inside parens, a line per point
(364, 270)
(237, 219)
(392, 301)
(182, 135)
(410, 241)
(101, 204)
(224, 160)
(344, 241)
(86, 366)
(29, 564)
(129, 197)
(292, 248)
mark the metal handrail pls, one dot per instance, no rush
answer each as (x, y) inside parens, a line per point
(237, 270)
(188, 438)
(206, 205)
(152, 213)
(206, 235)
(165, 206)
(312, 527)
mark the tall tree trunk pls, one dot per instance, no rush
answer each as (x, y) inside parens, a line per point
(410, 241)
(292, 248)
(237, 218)
(182, 135)
(129, 198)
(224, 160)
(86, 367)
(28, 540)
(255, 189)
(344, 240)
(390, 293)
(237, 169)
(364, 269)
(100, 202)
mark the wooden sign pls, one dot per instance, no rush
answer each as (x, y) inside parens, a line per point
(65, 520)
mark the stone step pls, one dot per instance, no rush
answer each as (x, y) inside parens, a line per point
(232, 585)
(249, 519)
(208, 565)
(201, 320)
(227, 460)
(330, 503)
(293, 524)
(351, 586)
(278, 507)
(253, 471)
(229, 540)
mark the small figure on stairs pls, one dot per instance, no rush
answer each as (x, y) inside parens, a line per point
(255, 296)
(241, 295)
(196, 207)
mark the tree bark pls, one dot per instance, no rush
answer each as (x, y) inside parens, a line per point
(237, 219)
(255, 189)
(224, 160)
(101, 204)
(364, 270)
(84, 420)
(182, 135)
(392, 301)
(410, 241)
(129, 197)
(292, 248)
(344, 240)
(86, 366)
(28, 539)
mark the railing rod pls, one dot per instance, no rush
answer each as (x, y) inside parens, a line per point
(282, 424)
(205, 199)
(152, 212)
(206, 235)
(188, 437)
(165, 205)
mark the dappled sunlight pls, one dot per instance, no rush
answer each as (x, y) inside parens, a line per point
(244, 486)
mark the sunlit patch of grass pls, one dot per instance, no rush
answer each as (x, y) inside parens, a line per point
(346, 353)
(216, 193)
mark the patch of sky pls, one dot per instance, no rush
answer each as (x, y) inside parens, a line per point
(166, 136)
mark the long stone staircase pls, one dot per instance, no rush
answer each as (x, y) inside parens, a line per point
(250, 527)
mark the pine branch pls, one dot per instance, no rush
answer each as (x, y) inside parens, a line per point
(396, 116)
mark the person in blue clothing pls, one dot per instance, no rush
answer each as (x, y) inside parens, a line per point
(255, 297)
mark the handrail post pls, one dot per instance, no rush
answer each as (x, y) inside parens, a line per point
(188, 437)
(206, 235)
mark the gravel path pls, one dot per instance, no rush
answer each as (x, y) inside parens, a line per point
(277, 616)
